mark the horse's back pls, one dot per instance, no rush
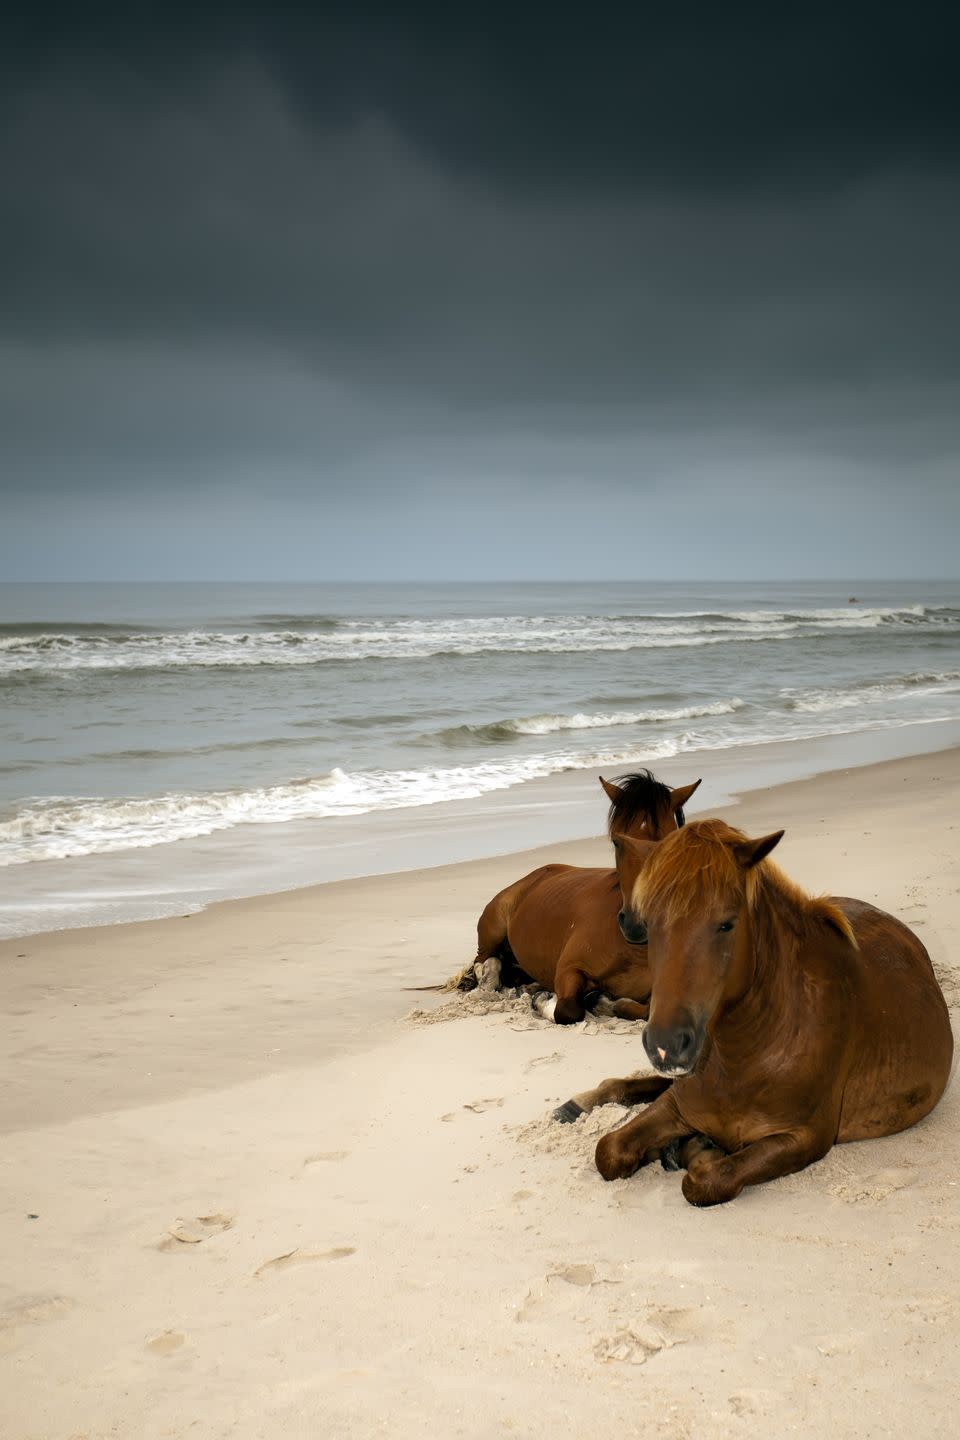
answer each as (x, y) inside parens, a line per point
(497, 916)
(892, 959)
(540, 913)
(512, 894)
(903, 1046)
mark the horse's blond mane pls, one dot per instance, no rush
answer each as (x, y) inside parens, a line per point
(696, 869)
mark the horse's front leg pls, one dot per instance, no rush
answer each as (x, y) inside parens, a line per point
(714, 1178)
(631, 1090)
(622, 1009)
(624, 1151)
(631, 1009)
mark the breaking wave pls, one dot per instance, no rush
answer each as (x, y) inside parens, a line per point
(849, 697)
(282, 640)
(505, 730)
(61, 828)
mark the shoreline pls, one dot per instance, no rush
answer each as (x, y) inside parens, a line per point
(189, 876)
(241, 1194)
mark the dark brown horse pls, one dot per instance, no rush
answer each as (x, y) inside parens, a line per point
(785, 1024)
(558, 925)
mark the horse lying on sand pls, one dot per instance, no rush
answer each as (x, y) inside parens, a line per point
(781, 1025)
(558, 925)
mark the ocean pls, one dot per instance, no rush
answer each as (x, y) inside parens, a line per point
(140, 718)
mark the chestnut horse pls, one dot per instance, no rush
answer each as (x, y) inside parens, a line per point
(558, 925)
(790, 1023)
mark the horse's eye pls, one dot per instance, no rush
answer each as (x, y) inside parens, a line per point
(724, 926)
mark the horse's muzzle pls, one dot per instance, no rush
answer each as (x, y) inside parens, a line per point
(673, 1051)
(633, 930)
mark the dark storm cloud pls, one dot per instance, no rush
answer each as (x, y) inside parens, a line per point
(699, 92)
(354, 249)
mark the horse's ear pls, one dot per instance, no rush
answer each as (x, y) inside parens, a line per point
(750, 852)
(613, 791)
(679, 798)
(633, 845)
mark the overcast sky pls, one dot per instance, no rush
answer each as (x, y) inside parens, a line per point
(377, 292)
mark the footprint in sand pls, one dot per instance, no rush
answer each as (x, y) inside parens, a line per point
(630, 1347)
(33, 1310)
(931, 1309)
(661, 1328)
(303, 1257)
(552, 1059)
(677, 1322)
(166, 1343)
(576, 1274)
(939, 1222)
(195, 1230)
(747, 1403)
(877, 1186)
(557, 1293)
(476, 1106)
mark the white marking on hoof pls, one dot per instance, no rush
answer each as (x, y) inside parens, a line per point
(545, 1004)
(489, 976)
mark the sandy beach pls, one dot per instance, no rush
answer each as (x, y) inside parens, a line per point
(246, 1195)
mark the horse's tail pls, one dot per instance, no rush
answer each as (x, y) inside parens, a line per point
(465, 979)
(491, 944)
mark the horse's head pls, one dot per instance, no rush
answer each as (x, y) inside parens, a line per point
(630, 855)
(689, 895)
(641, 805)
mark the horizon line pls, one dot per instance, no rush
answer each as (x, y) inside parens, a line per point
(504, 580)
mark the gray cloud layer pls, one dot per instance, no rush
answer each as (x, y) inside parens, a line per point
(380, 281)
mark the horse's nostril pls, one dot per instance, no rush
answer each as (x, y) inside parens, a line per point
(685, 1043)
(633, 930)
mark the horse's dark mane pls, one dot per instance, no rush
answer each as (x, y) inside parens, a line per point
(642, 797)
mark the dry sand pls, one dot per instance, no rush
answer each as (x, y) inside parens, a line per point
(242, 1197)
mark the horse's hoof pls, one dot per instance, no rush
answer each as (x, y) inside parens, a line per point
(544, 1003)
(568, 1112)
(611, 1161)
(489, 974)
(567, 1012)
(670, 1155)
(706, 1182)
